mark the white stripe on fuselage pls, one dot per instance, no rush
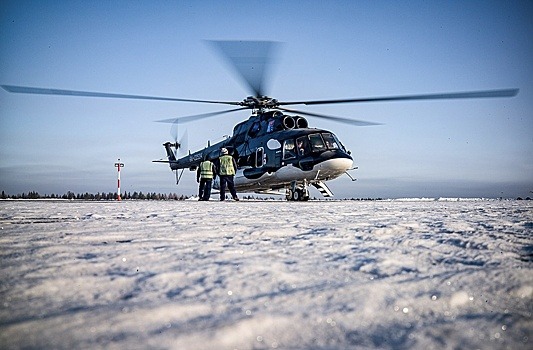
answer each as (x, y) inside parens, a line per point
(326, 170)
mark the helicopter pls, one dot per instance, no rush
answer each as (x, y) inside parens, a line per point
(276, 150)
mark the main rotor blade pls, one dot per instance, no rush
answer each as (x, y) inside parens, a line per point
(191, 118)
(44, 91)
(443, 96)
(251, 60)
(329, 117)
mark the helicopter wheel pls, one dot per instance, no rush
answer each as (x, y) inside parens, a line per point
(298, 194)
(292, 195)
(288, 195)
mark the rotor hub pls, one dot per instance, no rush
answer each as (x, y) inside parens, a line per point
(259, 102)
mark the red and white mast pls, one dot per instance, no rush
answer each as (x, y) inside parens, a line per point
(118, 166)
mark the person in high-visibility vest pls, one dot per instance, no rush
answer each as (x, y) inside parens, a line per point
(226, 172)
(205, 174)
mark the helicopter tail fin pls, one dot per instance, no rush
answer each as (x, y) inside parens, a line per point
(170, 154)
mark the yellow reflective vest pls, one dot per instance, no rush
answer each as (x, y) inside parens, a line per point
(206, 170)
(226, 165)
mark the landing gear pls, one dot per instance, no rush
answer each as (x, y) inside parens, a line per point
(297, 193)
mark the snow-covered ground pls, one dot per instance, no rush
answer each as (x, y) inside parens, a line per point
(261, 275)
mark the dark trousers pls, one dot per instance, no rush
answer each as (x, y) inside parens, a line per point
(204, 190)
(227, 179)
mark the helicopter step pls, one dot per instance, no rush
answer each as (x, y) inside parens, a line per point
(323, 189)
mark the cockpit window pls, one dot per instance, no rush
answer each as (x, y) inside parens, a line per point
(330, 140)
(289, 150)
(254, 129)
(317, 144)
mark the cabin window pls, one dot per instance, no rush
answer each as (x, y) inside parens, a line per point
(302, 145)
(289, 150)
(317, 144)
(330, 140)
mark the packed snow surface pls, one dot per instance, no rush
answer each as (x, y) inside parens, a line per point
(447, 274)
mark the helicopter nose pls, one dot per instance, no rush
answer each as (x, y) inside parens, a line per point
(335, 167)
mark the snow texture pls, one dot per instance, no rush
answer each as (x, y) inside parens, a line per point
(432, 274)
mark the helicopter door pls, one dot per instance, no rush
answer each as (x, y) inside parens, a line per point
(273, 158)
(273, 151)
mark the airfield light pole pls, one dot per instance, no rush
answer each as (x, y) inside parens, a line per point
(118, 166)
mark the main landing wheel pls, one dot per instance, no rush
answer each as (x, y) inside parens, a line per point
(297, 195)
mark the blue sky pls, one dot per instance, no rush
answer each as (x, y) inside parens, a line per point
(332, 49)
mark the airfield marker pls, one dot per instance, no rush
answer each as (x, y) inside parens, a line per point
(118, 166)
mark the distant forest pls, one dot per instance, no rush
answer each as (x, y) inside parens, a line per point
(109, 196)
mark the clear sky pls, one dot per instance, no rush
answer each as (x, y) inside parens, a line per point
(332, 49)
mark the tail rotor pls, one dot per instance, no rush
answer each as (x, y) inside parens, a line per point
(180, 146)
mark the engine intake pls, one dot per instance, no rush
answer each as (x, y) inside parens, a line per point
(301, 123)
(289, 122)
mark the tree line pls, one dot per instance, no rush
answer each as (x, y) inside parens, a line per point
(99, 196)
(111, 196)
